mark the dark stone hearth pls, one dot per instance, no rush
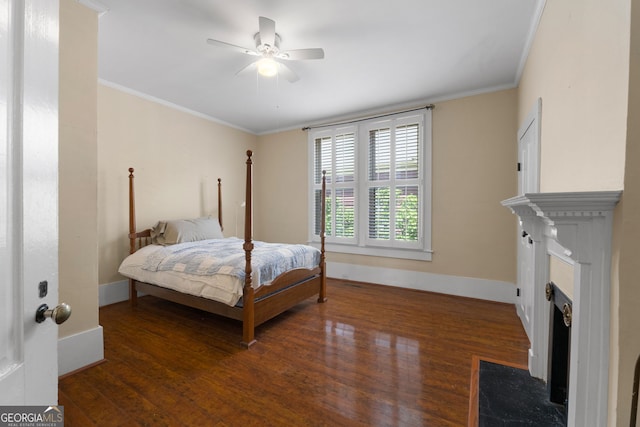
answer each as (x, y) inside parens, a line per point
(511, 397)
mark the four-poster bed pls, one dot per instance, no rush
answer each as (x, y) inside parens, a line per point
(259, 302)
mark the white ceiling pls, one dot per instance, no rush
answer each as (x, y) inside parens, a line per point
(379, 55)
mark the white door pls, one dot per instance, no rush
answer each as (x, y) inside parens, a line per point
(28, 200)
(525, 283)
(528, 182)
(529, 152)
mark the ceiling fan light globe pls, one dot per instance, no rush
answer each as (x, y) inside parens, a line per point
(267, 67)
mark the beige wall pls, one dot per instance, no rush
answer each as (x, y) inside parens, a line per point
(78, 248)
(474, 157)
(281, 188)
(579, 66)
(178, 158)
(627, 303)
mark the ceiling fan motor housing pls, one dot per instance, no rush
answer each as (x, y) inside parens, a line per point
(267, 49)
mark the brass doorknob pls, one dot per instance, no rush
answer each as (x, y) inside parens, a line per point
(567, 314)
(59, 314)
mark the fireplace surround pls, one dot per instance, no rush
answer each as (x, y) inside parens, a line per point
(576, 227)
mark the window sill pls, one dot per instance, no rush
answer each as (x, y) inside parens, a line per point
(414, 254)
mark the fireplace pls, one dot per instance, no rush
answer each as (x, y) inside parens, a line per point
(559, 344)
(575, 227)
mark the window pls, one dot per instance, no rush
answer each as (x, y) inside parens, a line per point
(378, 186)
(335, 153)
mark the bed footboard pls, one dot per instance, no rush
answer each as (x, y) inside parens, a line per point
(286, 280)
(273, 305)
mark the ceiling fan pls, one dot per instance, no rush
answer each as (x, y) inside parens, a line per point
(268, 48)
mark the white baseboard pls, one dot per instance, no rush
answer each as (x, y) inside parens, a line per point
(79, 350)
(492, 290)
(111, 293)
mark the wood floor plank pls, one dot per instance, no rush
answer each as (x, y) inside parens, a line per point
(73, 414)
(99, 408)
(371, 356)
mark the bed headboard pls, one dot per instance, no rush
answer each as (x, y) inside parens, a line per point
(138, 239)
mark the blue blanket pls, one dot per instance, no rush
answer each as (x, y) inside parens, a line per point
(226, 256)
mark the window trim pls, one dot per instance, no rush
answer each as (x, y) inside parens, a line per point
(361, 245)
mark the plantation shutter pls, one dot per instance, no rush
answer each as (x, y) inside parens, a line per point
(322, 162)
(394, 193)
(407, 196)
(337, 155)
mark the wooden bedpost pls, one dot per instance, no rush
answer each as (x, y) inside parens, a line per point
(248, 314)
(133, 295)
(220, 203)
(322, 296)
(132, 214)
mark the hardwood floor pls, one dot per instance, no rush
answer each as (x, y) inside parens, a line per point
(370, 356)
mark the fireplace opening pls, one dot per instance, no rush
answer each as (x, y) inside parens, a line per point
(559, 345)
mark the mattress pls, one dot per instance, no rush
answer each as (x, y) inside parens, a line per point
(215, 268)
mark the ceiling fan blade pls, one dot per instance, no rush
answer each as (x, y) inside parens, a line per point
(267, 31)
(232, 46)
(287, 73)
(253, 67)
(300, 54)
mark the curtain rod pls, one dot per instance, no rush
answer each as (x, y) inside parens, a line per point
(426, 107)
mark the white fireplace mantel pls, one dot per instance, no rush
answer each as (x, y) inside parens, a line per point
(578, 226)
